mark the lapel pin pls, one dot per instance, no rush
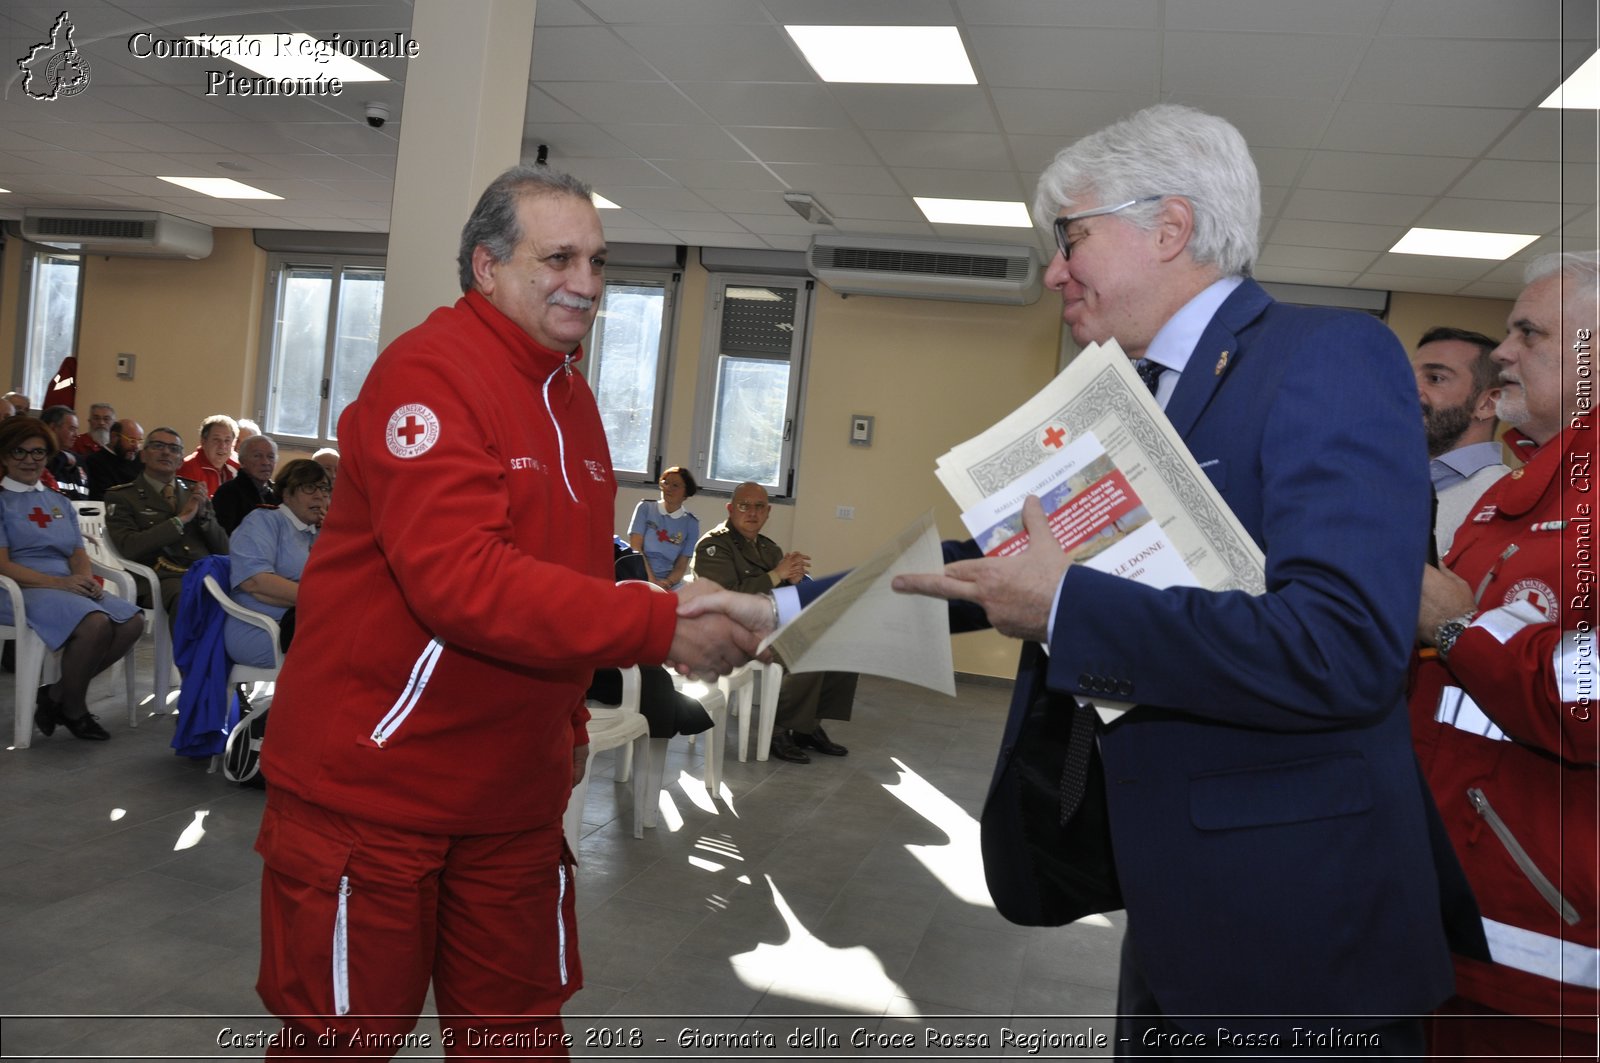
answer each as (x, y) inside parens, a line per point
(1222, 363)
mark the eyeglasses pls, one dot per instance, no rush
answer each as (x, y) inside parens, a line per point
(1065, 220)
(36, 453)
(751, 507)
(170, 448)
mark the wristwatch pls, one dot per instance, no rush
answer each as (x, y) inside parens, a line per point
(1445, 635)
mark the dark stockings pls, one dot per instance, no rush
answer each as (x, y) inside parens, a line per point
(94, 645)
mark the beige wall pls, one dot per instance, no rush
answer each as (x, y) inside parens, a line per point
(931, 373)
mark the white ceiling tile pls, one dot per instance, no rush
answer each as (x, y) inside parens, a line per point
(656, 198)
(716, 12)
(1297, 275)
(1409, 129)
(642, 234)
(961, 184)
(679, 142)
(1351, 236)
(1272, 65)
(788, 243)
(1452, 73)
(841, 147)
(987, 234)
(1380, 208)
(169, 104)
(569, 141)
(1033, 155)
(719, 238)
(790, 224)
(1325, 258)
(1549, 136)
(1410, 282)
(1125, 14)
(1503, 179)
(718, 53)
(87, 136)
(1499, 216)
(1508, 290)
(1421, 175)
(1433, 266)
(1063, 115)
(869, 227)
(754, 103)
(861, 12)
(1351, 17)
(865, 180)
(542, 108)
(972, 150)
(1278, 166)
(1106, 60)
(647, 102)
(1268, 122)
(585, 53)
(1473, 18)
(1272, 200)
(614, 173)
(949, 108)
(749, 200)
(874, 208)
(702, 221)
(715, 176)
(561, 13)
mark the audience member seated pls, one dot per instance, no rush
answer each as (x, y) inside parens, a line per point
(162, 520)
(328, 458)
(247, 428)
(102, 415)
(252, 488)
(212, 464)
(7, 410)
(268, 552)
(19, 402)
(64, 467)
(664, 532)
(41, 548)
(737, 556)
(669, 711)
(116, 463)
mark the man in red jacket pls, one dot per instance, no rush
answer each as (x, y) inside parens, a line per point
(429, 724)
(1502, 708)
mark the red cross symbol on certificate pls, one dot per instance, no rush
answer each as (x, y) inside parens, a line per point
(40, 517)
(411, 430)
(1053, 437)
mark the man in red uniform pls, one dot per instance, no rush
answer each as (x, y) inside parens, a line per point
(1503, 705)
(429, 724)
(212, 464)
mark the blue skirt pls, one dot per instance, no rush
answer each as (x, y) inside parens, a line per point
(54, 615)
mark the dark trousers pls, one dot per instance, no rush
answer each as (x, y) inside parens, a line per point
(1144, 1031)
(807, 697)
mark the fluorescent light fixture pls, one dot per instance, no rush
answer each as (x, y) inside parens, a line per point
(1009, 214)
(1581, 91)
(602, 203)
(7, 191)
(1460, 243)
(273, 56)
(886, 55)
(221, 187)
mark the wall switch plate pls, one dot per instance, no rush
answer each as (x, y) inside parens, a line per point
(125, 366)
(860, 430)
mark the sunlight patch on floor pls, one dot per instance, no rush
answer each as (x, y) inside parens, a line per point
(957, 864)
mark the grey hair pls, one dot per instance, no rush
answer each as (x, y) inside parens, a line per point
(1578, 267)
(253, 442)
(1166, 150)
(494, 220)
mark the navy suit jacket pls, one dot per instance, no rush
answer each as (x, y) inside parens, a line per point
(1276, 847)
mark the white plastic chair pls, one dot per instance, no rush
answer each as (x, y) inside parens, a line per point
(715, 701)
(243, 751)
(92, 523)
(36, 665)
(618, 727)
(738, 688)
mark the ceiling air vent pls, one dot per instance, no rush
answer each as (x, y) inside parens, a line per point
(115, 232)
(925, 269)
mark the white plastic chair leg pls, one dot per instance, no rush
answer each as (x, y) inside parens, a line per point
(771, 680)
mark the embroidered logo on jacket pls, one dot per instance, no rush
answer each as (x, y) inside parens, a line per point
(1536, 593)
(413, 430)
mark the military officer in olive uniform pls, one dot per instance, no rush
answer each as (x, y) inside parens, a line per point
(737, 556)
(162, 520)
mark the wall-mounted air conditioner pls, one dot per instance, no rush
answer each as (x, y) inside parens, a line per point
(117, 232)
(918, 268)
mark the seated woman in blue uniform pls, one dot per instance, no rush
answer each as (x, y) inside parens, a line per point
(267, 553)
(664, 532)
(42, 549)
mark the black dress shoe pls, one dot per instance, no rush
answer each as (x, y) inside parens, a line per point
(86, 726)
(820, 741)
(44, 713)
(783, 748)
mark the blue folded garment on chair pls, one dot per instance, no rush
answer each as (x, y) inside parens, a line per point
(207, 707)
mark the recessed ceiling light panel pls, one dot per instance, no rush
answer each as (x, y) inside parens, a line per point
(1581, 91)
(886, 55)
(1010, 214)
(221, 187)
(1460, 243)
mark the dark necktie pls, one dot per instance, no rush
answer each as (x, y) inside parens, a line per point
(1150, 372)
(1075, 768)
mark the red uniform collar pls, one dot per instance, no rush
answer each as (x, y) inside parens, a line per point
(540, 359)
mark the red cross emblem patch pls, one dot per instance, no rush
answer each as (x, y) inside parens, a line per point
(413, 430)
(1536, 593)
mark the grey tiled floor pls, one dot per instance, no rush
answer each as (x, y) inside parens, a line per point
(838, 899)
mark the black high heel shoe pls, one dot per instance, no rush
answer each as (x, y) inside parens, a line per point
(86, 726)
(44, 714)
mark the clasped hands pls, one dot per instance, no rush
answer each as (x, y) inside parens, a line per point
(718, 630)
(1015, 592)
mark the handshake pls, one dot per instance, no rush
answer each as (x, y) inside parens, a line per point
(718, 630)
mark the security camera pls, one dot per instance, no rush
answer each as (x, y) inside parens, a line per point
(377, 114)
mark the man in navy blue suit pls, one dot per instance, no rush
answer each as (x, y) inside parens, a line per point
(1276, 850)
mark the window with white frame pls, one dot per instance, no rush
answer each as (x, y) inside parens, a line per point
(751, 381)
(627, 354)
(52, 325)
(321, 337)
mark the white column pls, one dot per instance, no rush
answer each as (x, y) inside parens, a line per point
(460, 126)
